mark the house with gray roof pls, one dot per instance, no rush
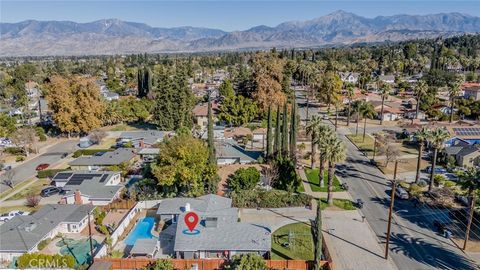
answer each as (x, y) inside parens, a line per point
(229, 152)
(143, 138)
(219, 233)
(466, 155)
(89, 187)
(106, 159)
(22, 234)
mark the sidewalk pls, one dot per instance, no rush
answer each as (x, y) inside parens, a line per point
(315, 194)
(351, 242)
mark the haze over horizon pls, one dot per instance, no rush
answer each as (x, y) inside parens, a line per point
(228, 15)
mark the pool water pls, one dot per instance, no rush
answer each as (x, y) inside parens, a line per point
(79, 249)
(142, 230)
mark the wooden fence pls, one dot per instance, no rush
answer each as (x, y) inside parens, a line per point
(120, 204)
(206, 264)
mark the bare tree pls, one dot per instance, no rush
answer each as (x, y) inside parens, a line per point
(270, 174)
(26, 138)
(391, 153)
(97, 135)
(32, 200)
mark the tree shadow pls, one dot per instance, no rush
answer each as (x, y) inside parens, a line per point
(437, 256)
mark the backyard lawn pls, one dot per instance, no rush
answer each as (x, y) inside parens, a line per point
(313, 179)
(293, 241)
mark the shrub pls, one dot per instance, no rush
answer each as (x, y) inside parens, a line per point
(41, 134)
(88, 152)
(269, 199)
(439, 179)
(449, 184)
(422, 183)
(19, 158)
(49, 173)
(14, 151)
(287, 178)
(99, 215)
(32, 260)
(159, 265)
(244, 179)
(415, 190)
(247, 262)
(44, 243)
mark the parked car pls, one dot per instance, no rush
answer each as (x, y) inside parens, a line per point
(49, 191)
(401, 193)
(438, 169)
(64, 155)
(463, 200)
(11, 214)
(441, 225)
(451, 176)
(42, 166)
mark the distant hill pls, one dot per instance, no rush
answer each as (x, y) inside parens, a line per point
(112, 36)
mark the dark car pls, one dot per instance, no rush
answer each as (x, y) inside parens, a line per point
(49, 191)
(64, 155)
(42, 166)
(441, 225)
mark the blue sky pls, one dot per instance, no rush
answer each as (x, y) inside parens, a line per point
(226, 15)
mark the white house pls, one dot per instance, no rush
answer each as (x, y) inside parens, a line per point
(22, 234)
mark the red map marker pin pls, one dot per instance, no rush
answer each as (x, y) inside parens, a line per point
(191, 219)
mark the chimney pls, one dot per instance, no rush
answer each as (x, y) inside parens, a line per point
(78, 197)
(142, 143)
(187, 207)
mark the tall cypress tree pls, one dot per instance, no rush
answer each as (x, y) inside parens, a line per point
(211, 145)
(278, 143)
(293, 131)
(269, 133)
(140, 82)
(285, 130)
(147, 82)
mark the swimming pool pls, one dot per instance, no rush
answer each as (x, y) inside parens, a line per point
(142, 230)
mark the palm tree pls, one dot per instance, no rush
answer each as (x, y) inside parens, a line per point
(312, 130)
(324, 133)
(421, 136)
(384, 93)
(420, 90)
(350, 93)
(470, 180)
(453, 92)
(366, 110)
(436, 139)
(334, 152)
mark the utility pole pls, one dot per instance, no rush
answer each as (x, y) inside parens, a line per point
(395, 170)
(374, 147)
(389, 226)
(470, 219)
(90, 236)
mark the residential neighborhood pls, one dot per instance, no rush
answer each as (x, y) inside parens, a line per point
(342, 155)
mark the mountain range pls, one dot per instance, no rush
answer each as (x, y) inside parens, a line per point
(113, 36)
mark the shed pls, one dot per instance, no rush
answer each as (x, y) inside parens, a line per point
(145, 248)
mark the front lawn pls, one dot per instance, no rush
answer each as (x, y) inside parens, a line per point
(364, 146)
(340, 203)
(34, 188)
(293, 242)
(313, 179)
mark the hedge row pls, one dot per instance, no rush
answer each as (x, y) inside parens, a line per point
(36, 260)
(88, 152)
(49, 173)
(269, 199)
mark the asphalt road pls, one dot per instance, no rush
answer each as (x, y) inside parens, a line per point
(414, 243)
(51, 156)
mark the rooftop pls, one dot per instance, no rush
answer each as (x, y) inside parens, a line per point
(91, 184)
(108, 158)
(230, 149)
(22, 233)
(148, 136)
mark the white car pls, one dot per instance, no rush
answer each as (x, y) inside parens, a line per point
(11, 214)
(401, 193)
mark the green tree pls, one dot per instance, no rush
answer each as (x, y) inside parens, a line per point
(183, 165)
(454, 88)
(278, 133)
(286, 175)
(470, 180)
(437, 139)
(350, 95)
(285, 130)
(7, 125)
(312, 130)
(421, 136)
(293, 132)
(420, 90)
(159, 265)
(367, 111)
(226, 89)
(211, 145)
(269, 134)
(248, 261)
(329, 89)
(244, 179)
(324, 134)
(237, 110)
(384, 93)
(334, 152)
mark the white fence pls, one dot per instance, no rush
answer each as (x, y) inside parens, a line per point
(123, 225)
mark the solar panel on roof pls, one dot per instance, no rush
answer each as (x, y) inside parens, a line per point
(104, 177)
(75, 182)
(467, 131)
(62, 175)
